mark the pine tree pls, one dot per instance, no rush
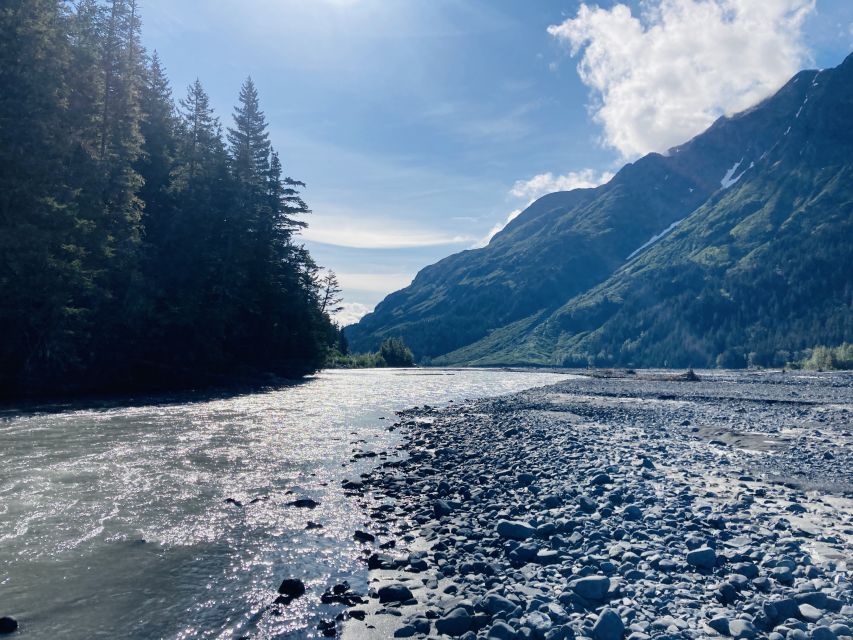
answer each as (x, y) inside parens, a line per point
(155, 164)
(249, 140)
(40, 276)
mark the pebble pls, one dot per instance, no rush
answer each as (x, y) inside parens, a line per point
(586, 510)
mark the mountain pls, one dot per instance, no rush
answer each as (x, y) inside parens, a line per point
(733, 248)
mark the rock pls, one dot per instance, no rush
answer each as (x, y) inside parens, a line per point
(726, 593)
(600, 479)
(817, 599)
(363, 536)
(441, 508)
(587, 504)
(702, 558)
(739, 628)
(538, 622)
(525, 479)
(720, 624)
(500, 631)
(305, 503)
(746, 569)
(289, 590)
(515, 530)
(406, 631)
(810, 613)
(547, 556)
(783, 575)
(822, 633)
(632, 512)
(328, 628)
(494, 603)
(455, 623)
(394, 593)
(551, 502)
(8, 625)
(609, 626)
(591, 588)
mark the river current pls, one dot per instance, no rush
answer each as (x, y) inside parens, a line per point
(114, 521)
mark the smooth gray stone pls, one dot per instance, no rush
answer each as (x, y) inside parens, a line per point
(720, 624)
(742, 629)
(394, 593)
(494, 603)
(609, 626)
(591, 587)
(810, 613)
(500, 631)
(515, 530)
(455, 623)
(703, 558)
(822, 633)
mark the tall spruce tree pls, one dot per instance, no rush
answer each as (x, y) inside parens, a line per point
(41, 278)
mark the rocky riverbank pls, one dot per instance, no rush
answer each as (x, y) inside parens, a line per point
(618, 508)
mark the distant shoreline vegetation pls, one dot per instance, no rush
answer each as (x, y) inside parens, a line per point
(144, 246)
(823, 358)
(393, 352)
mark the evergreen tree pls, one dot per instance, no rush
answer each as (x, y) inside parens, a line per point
(136, 247)
(156, 161)
(249, 140)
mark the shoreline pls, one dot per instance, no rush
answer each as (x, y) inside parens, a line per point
(618, 508)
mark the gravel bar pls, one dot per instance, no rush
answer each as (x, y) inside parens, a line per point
(625, 507)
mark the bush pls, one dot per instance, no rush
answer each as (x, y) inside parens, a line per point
(392, 353)
(395, 352)
(824, 358)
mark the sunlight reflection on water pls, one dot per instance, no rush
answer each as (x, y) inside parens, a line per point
(113, 521)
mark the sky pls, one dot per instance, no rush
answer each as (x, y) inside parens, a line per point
(422, 126)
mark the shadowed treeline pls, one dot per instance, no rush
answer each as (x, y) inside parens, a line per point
(141, 245)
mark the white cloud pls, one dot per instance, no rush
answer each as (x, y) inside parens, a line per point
(353, 230)
(351, 313)
(374, 282)
(482, 242)
(543, 184)
(665, 76)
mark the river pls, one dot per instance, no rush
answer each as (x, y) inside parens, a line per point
(114, 521)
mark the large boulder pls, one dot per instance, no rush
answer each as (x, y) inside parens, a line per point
(8, 625)
(609, 626)
(290, 589)
(702, 558)
(515, 529)
(394, 593)
(591, 588)
(455, 623)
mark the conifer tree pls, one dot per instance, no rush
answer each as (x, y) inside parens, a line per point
(136, 247)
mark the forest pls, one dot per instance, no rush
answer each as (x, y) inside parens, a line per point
(143, 245)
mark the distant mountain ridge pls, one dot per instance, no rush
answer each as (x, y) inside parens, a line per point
(733, 248)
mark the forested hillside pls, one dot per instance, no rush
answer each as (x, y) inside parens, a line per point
(141, 244)
(732, 249)
(756, 276)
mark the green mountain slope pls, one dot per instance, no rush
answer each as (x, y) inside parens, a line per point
(760, 270)
(566, 242)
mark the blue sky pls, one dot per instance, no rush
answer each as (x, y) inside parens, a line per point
(421, 125)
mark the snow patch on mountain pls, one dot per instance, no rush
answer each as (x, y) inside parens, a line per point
(655, 238)
(729, 179)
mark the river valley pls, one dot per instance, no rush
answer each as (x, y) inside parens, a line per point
(170, 517)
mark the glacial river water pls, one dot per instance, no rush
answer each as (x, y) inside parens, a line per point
(113, 520)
